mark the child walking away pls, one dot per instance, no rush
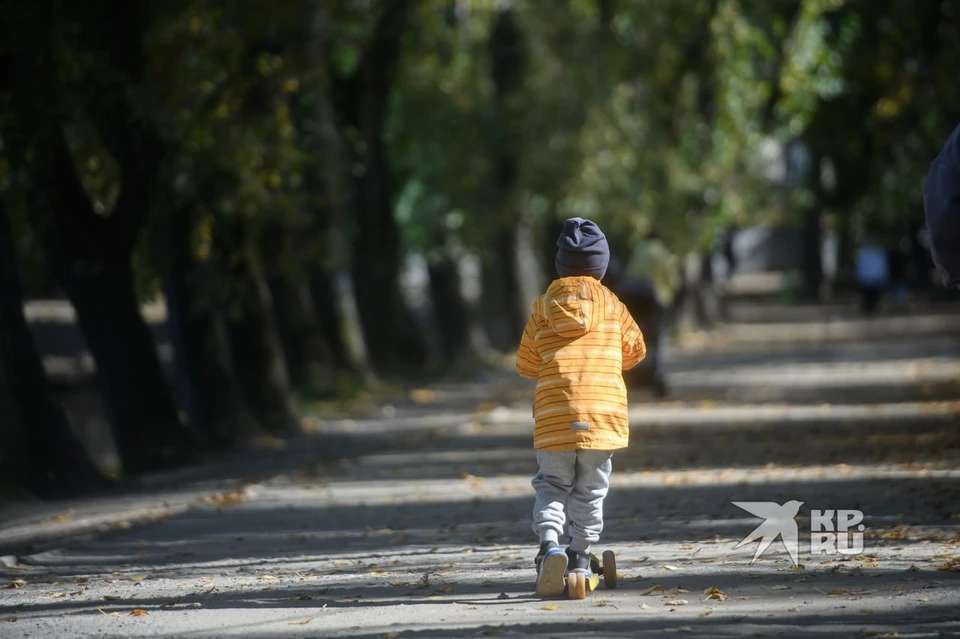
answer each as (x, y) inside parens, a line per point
(576, 344)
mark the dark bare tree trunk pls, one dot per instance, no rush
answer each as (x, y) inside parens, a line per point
(39, 451)
(255, 343)
(90, 254)
(332, 282)
(388, 325)
(209, 389)
(452, 315)
(305, 348)
(811, 254)
(308, 356)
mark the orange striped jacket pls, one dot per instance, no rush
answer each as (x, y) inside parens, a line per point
(577, 343)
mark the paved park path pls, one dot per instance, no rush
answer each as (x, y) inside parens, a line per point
(423, 531)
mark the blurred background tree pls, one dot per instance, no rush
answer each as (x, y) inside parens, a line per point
(337, 192)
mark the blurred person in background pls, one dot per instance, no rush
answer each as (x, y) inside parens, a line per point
(941, 205)
(873, 274)
(647, 286)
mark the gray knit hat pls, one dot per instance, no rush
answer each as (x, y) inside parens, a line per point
(582, 249)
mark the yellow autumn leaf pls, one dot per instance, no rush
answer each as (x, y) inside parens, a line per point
(138, 612)
(138, 577)
(550, 607)
(652, 589)
(109, 614)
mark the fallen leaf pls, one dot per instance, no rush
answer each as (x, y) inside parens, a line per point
(677, 602)
(706, 613)
(67, 516)
(923, 598)
(794, 609)
(16, 583)
(486, 584)
(668, 567)
(109, 614)
(301, 622)
(139, 578)
(58, 595)
(81, 580)
(646, 607)
(138, 612)
(424, 581)
(652, 589)
(445, 588)
(550, 607)
(781, 587)
(715, 593)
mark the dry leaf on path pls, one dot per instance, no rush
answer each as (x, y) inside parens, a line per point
(138, 612)
(715, 593)
(301, 622)
(16, 583)
(652, 589)
(668, 567)
(646, 606)
(445, 588)
(139, 578)
(677, 602)
(706, 613)
(109, 614)
(550, 607)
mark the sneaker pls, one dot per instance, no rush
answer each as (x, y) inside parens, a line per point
(551, 568)
(578, 561)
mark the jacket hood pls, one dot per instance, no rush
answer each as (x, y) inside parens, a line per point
(574, 306)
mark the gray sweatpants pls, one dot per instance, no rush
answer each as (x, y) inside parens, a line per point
(571, 483)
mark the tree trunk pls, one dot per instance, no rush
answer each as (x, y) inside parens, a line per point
(309, 358)
(811, 254)
(208, 387)
(90, 253)
(388, 325)
(450, 310)
(148, 433)
(331, 283)
(44, 455)
(255, 344)
(305, 349)
(502, 291)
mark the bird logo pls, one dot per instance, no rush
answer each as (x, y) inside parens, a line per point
(778, 522)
